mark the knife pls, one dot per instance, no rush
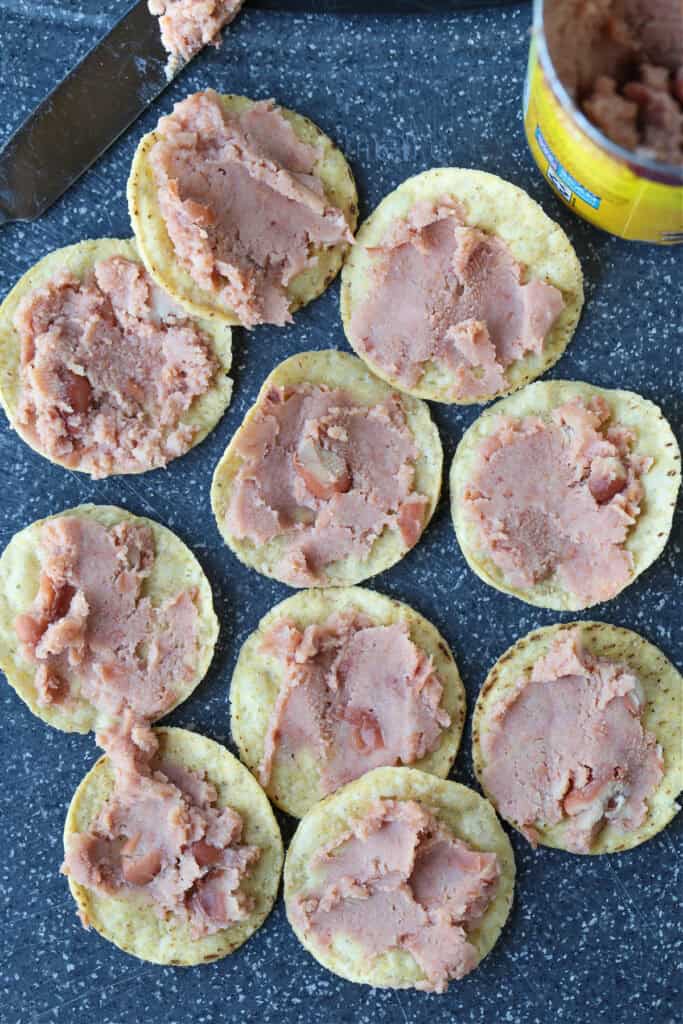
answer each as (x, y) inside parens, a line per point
(109, 89)
(106, 92)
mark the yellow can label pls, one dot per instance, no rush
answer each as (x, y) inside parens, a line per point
(601, 189)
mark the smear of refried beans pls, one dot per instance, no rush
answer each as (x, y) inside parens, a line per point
(109, 367)
(329, 474)
(242, 202)
(161, 837)
(442, 293)
(400, 880)
(557, 498)
(568, 745)
(91, 633)
(187, 26)
(355, 695)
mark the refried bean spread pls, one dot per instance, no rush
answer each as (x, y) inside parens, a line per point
(444, 293)
(109, 366)
(356, 696)
(91, 633)
(400, 880)
(187, 26)
(160, 838)
(559, 497)
(568, 744)
(242, 203)
(328, 473)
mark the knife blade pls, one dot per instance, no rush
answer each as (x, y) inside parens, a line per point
(109, 89)
(82, 116)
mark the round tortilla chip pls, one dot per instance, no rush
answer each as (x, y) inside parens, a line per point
(158, 250)
(662, 716)
(131, 923)
(654, 438)
(496, 207)
(79, 259)
(470, 818)
(334, 370)
(294, 785)
(175, 569)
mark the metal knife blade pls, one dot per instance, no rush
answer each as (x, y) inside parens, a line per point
(82, 116)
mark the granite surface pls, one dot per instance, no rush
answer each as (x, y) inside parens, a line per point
(589, 940)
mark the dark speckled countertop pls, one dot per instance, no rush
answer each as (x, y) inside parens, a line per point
(589, 940)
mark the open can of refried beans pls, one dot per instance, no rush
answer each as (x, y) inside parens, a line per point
(630, 192)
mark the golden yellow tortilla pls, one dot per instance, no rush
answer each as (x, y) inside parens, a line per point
(295, 785)
(175, 569)
(157, 248)
(130, 923)
(654, 438)
(662, 715)
(496, 207)
(79, 260)
(470, 818)
(335, 370)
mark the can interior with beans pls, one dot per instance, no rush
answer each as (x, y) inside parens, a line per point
(603, 112)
